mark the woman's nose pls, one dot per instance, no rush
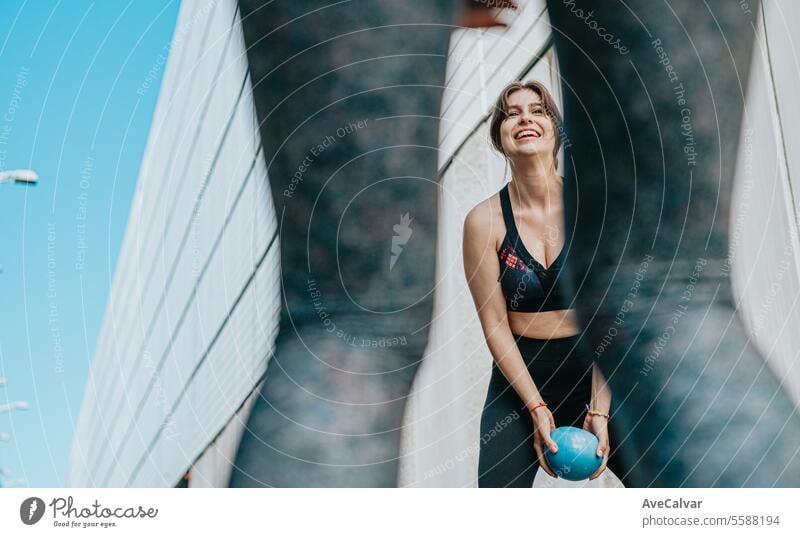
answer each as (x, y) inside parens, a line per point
(525, 117)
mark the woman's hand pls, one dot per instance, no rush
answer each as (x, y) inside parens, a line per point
(482, 14)
(598, 426)
(543, 423)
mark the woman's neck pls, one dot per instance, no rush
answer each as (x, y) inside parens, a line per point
(535, 182)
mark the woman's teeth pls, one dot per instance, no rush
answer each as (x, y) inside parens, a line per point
(526, 134)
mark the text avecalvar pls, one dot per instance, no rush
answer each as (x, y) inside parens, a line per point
(669, 503)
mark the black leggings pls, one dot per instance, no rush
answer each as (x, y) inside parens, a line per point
(564, 379)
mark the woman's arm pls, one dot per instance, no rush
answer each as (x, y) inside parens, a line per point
(482, 270)
(601, 393)
(598, 425)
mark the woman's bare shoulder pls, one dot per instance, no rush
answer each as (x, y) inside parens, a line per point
(485, 219)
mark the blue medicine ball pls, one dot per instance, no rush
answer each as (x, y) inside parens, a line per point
(576, 458)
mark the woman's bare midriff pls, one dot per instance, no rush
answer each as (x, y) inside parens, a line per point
(543, 325)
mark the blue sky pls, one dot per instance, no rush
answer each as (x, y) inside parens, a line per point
(72, 108)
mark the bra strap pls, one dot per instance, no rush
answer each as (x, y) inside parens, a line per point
(508, 214)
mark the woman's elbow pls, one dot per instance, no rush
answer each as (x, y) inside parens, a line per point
(494, 324)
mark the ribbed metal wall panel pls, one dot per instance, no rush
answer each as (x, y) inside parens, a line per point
(764, 226)
(193, 308)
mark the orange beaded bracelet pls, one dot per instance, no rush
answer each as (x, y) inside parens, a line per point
(596, 413)
(537, 406)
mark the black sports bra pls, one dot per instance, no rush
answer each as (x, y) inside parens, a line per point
(526, 284)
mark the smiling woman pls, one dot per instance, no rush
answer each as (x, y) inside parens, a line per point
(529, 326)
(509, 106)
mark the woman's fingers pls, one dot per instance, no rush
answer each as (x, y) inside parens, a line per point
(602, 451)
(546, 467)
(542, 440)
(587, 424)
(548, 441)
(551, 445)
(478, 15)
(543, 425)
(543, 460)
(600, 470)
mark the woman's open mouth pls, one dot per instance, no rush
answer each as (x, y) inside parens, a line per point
(527, 134)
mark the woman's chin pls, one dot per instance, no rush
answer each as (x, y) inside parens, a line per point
(532, 150)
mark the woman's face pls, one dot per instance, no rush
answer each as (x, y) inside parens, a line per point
(527, 129)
